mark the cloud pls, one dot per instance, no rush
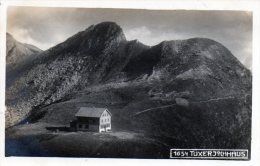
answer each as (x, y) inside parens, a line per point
(141, 33)
(149, 37)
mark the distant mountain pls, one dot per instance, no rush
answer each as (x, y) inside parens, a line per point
(17, 52)
(17, 55)
(186, 90)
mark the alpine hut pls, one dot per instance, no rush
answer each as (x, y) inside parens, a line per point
(92, 119)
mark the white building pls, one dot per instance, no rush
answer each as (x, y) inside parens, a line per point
(92, 119)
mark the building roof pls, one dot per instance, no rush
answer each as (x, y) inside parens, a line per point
(90, 112)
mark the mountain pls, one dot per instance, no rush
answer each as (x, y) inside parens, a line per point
(17, 52)
(178, 92)
(87, 58)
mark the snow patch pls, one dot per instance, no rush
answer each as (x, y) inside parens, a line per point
(206, 54)
(196, 73)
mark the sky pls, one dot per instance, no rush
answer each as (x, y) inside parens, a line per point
(45, 27)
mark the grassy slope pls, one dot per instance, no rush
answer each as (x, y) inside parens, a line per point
(219, 122)
(35, 140)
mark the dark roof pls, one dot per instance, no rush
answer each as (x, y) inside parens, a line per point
(90, 112)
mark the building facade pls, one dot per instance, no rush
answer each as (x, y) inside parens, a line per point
(92, 119)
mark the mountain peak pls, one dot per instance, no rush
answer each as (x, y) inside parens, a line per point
(8, 34)
(107, 24)
(108, 29)
(10, 38)
(92, 40)
(18, 53)
(100, 36)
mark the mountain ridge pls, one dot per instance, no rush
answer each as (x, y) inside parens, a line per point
(98, 67)
(14, 47)
(17, 55)
(91, 42)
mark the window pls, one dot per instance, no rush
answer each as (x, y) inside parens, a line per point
(86, 126)
(80, 126)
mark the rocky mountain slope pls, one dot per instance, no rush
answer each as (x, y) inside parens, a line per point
(17, 54)
(180, 92)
